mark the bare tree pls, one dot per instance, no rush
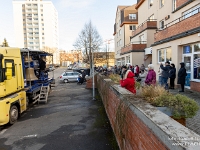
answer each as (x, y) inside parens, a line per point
(88, 41)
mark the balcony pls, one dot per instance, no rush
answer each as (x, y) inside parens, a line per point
(134, 47)
(186, 25)
(148, 24)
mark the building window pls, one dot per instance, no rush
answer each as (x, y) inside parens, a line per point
(42, 33)
(41, 5)
(162, 3)
(13, 65)
(120, 42)
(173, 5)
(197, 66)
(164, 55)
(42, 20)
(120, 32)
(42, 24)
(150, 3)
(132, 16)
(197, 47)
(141, 38)
(191, 12)
(41, 14)
(162, 23)
(132, 27)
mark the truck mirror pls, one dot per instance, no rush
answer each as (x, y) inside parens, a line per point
(8, 71)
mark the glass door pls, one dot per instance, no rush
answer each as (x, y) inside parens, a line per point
(187, 61)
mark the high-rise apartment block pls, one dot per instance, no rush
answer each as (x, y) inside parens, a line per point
(36, 24)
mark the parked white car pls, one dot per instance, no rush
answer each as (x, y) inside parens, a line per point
(69, 76)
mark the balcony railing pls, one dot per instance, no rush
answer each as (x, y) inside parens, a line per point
(180, 25)
(148, 24)
(134, 46)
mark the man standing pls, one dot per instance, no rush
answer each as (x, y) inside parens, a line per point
(181, 76)
(142, 68)
(165, 74)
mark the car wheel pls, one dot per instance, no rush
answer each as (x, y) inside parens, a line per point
(14, 113)
(65, 81)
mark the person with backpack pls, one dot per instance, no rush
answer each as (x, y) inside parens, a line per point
(181, 76)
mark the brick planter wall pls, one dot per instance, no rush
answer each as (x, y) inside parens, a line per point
(195, 86)
(138, 125)
(89, 82)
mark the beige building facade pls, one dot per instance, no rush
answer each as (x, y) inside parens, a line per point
(125, 22)
(177, 38)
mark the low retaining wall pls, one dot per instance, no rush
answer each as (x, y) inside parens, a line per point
(138, 125)
(89, 82)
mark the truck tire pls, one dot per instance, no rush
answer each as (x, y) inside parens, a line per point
(13, 114)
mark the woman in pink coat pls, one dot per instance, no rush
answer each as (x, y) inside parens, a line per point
(151, 76)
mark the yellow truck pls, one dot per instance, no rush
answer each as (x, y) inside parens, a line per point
(21, 81)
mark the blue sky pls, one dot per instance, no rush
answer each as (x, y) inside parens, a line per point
(72, 14)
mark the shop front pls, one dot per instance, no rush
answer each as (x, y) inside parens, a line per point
(191, 58)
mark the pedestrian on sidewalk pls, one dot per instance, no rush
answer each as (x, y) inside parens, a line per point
(123, 71)
(181, 76)
(136, 71)
(151, 76)
(165, 74)
(128, 81)
(160, 76)
(142, 76)
(142, 68)
(172, 76)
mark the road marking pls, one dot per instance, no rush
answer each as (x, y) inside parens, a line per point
(3, 131)
(30, 136)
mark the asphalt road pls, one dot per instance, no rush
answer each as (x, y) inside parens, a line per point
(67, 122)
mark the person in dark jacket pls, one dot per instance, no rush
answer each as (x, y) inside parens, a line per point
(172, 76)
(181, 76)
(165, 74)
(83, 75)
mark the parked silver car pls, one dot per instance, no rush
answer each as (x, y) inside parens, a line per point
(69, 76)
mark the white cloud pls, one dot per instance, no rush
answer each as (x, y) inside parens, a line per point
(76, 3)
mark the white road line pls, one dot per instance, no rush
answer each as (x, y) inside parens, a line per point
(30, 136)
(3, 131)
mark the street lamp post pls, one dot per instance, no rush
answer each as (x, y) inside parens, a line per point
(93, 83)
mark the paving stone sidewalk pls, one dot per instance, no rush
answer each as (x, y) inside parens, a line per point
(191, 123)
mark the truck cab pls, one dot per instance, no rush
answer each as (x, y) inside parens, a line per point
(22, 77)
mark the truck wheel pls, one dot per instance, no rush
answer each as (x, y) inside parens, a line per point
(14, 113)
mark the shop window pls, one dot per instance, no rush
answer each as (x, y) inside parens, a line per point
(187, 49)
(196, 66)
(164, 55)
(197, 47)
